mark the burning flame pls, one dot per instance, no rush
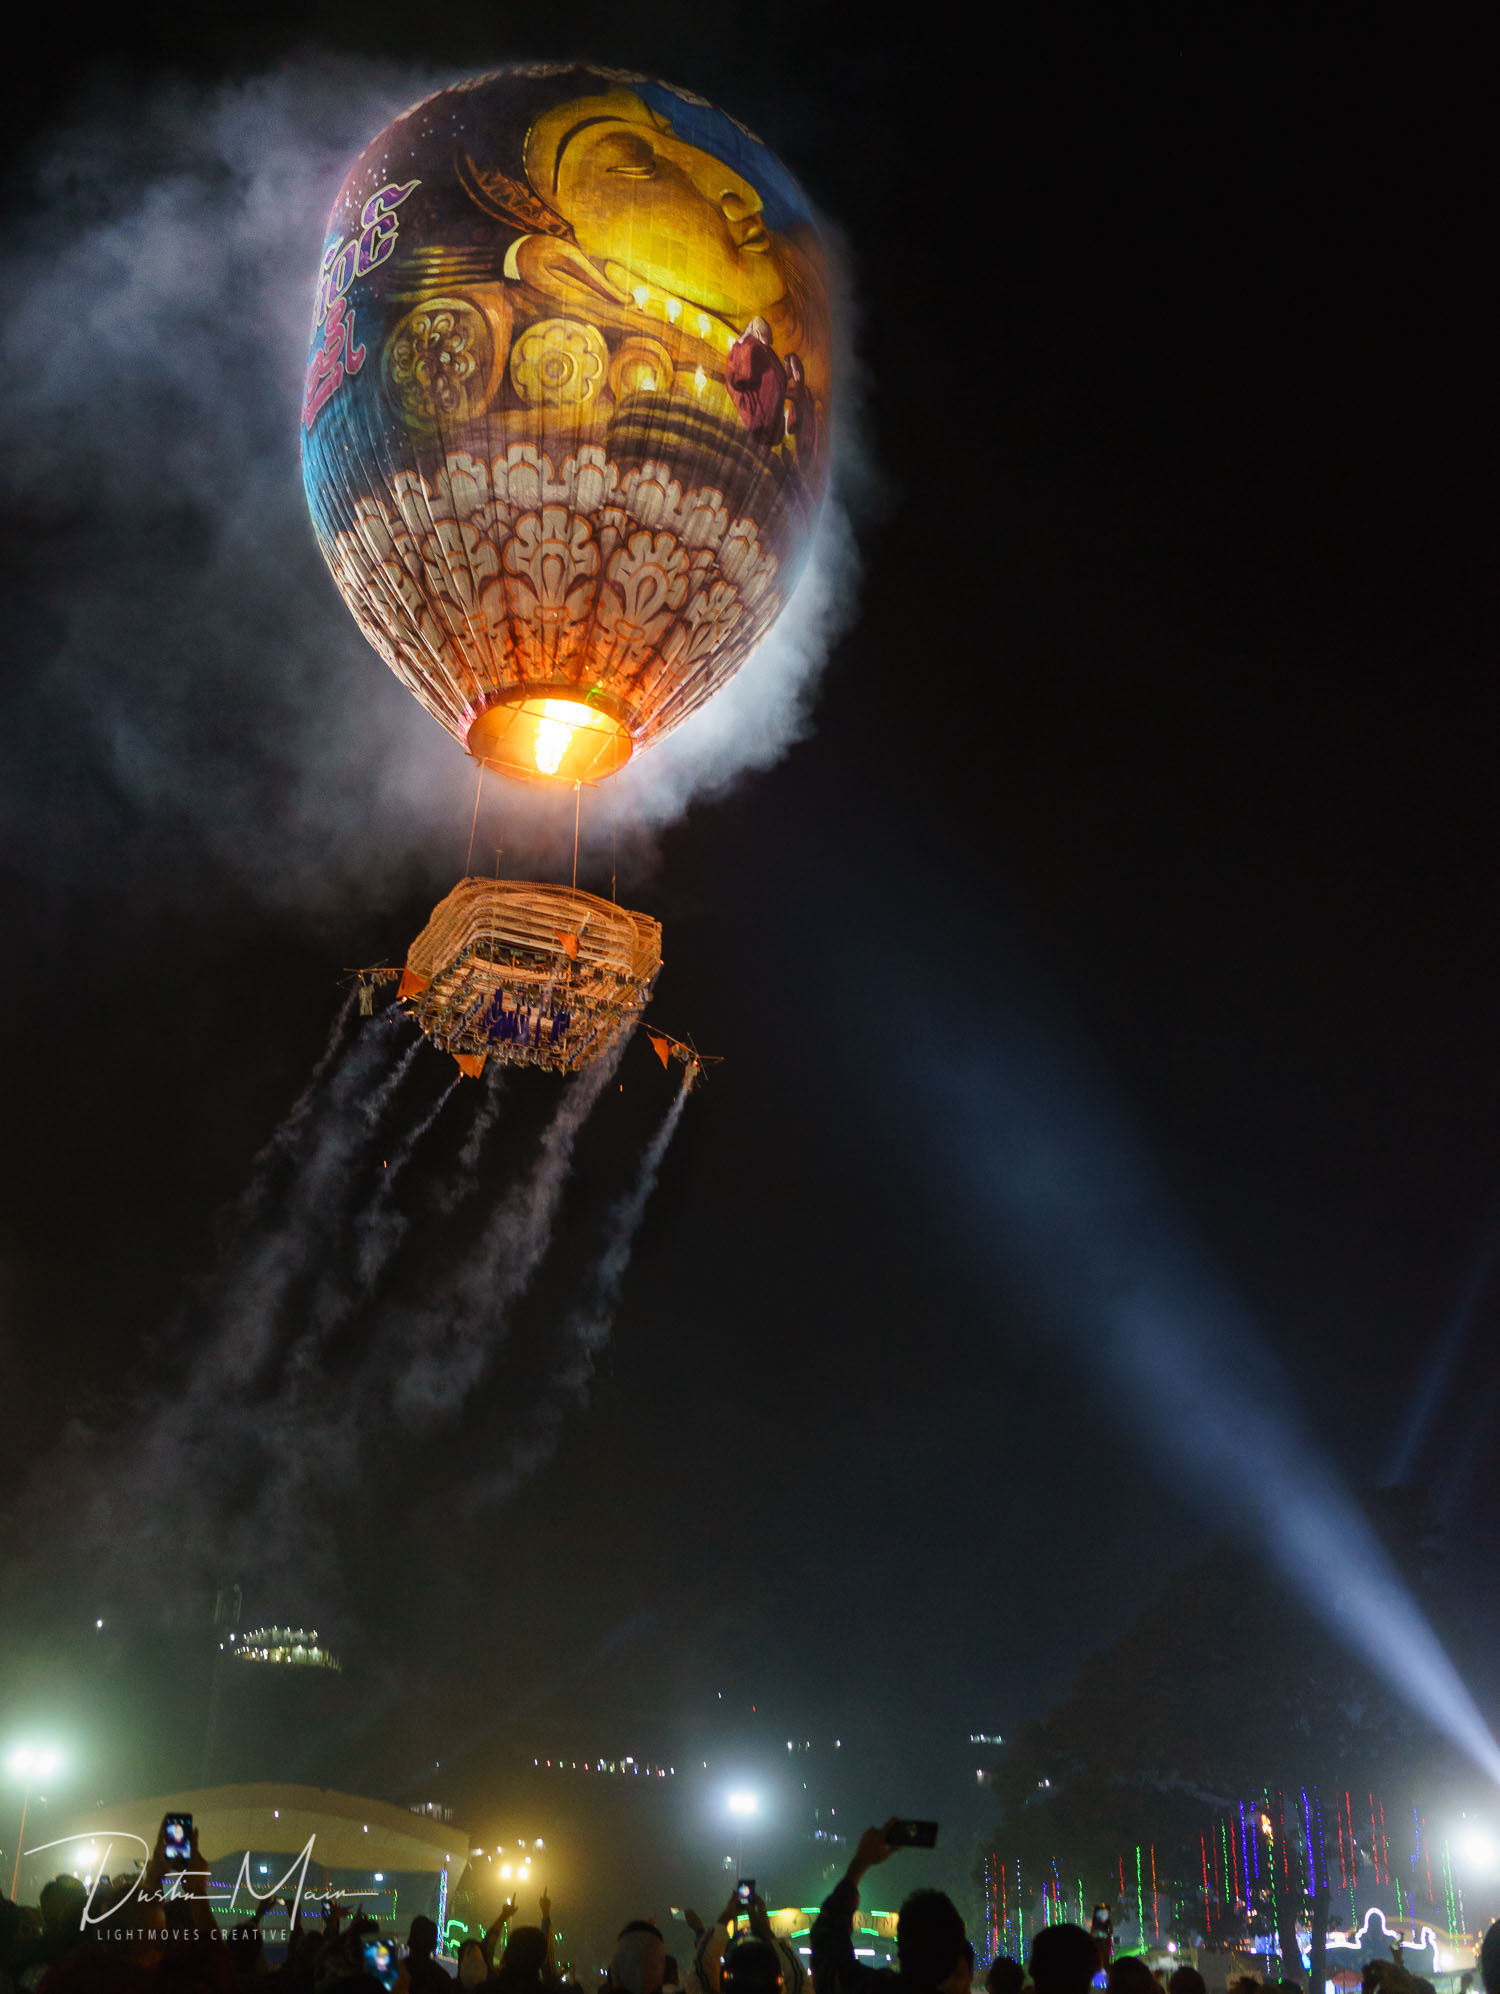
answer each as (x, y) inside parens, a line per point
(561, 719)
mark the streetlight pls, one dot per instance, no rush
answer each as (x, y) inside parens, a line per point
(1478, 1851)
(742, 1805)
(28, 1763)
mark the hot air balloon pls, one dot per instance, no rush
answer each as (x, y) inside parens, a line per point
(565, 425)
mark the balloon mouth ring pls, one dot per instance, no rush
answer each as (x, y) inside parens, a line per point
(552, 733)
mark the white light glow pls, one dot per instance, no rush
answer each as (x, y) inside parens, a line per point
(742, 1803)
(1478, 1850)
(33, 1762)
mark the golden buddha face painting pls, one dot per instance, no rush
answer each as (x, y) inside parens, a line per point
(638, 197)
(566, 418)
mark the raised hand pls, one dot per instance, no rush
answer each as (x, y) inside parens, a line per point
(874, 1846)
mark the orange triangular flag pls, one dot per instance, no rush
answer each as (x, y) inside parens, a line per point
(470, 1064)
(661, 1047)
(569, 946)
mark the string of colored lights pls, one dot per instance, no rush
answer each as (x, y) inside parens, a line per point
(1020, 1915)
(1325, 1881)
(1238, 1882)
(1275, 1905)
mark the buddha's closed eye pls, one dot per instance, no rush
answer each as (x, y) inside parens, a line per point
(626, 154)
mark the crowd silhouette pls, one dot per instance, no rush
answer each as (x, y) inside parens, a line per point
(156, 1930)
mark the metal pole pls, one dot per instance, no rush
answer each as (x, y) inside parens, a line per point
(20, 1840)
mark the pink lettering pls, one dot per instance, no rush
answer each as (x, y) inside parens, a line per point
(337, 357)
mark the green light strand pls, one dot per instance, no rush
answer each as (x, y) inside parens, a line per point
(1140, 1902)
(1275, 1907)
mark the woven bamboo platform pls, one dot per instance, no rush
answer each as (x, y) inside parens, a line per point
(529, 974)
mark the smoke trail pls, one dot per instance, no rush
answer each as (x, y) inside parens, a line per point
(149, 1493)
(379, 1230)
(1143, 1314)
(465, 1178)
(303, 1451)
(381, 1097)
(588, 1329)
(283, 1138)
(244, 1301)
(425, 1362)
(448, 1347)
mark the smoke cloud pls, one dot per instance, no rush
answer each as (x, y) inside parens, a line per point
(161, 284)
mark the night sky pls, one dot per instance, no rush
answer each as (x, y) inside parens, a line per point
(1160, 742)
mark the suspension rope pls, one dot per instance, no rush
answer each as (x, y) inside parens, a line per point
(577, 806)
(474, 823)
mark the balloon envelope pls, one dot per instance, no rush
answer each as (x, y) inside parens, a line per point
(565, 425)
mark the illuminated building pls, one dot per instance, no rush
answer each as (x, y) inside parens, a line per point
(284, 1647)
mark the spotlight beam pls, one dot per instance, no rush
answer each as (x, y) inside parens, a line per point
(1070, 1199)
